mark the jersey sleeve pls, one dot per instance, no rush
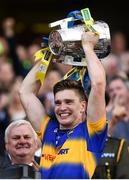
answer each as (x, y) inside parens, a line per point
(97, 132)
(43, 128)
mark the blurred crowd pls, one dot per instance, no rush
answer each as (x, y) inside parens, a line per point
(15, 62)
(17, 59)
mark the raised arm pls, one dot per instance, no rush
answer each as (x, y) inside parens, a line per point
(96, 101)
(32, 105)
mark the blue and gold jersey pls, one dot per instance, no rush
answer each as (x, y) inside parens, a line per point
(71, 154)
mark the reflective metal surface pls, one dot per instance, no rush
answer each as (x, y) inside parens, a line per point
(66, 43)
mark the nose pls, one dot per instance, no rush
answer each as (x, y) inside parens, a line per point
(62, 106)
(22, 140)
(113, 94)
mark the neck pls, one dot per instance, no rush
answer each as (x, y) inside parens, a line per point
(70, 126)
(21, 160)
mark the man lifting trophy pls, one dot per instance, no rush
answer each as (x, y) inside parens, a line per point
(73, 140)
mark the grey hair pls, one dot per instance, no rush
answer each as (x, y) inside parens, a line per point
(18, 123)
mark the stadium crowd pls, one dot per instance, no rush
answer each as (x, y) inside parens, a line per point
(16, 60)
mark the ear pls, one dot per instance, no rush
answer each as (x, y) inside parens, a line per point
(83, 106)
(38, 144)
(6, 146)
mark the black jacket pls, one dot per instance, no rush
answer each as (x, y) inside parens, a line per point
(18, 171)
(114, 162)
(5, 161)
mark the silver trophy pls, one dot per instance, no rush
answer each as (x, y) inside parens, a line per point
(65, 43)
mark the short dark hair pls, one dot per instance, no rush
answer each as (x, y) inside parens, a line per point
(70, 85)
(123, 79)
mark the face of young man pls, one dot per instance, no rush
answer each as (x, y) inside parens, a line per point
(69, 109)
(21, 142)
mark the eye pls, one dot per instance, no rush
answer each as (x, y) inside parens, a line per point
(16, 137)
(27, 137)
(69, 101)
(57, 103)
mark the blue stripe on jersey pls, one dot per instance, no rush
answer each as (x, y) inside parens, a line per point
(65, 171)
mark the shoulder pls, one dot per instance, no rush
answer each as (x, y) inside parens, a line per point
(114, 141)
(4, 161)
(115, 144)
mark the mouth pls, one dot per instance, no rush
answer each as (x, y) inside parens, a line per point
(23, 147)
(64, 115)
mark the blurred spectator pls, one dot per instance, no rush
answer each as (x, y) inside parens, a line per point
(52, 77)
(124, 62)
(118, 108)
(7, 75)
(4, 119)
(22, 53)
(120, 49)
(8, 25)
(117, 63)
(32, 48)
(112, 67)
(114, 161)
(117, 89)
(3, 48)
(15, 108)
(47, 98)
(119, 43)
(9, 34)
(64, 68)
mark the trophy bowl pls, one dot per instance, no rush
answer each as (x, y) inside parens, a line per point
(65, 43)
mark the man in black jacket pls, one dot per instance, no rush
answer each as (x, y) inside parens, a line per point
(21, 142)
(114, 163)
